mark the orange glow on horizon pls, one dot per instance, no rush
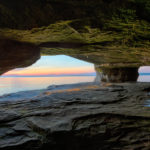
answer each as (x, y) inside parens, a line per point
(49, 71)
(70, 90)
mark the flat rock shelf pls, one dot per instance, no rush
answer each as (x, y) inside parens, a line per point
(94, 117)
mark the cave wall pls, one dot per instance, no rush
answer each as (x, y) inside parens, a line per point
(25, 14)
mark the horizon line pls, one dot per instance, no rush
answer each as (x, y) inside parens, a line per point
(144, 73)
(5, 76)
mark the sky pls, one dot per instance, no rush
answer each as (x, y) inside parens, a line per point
(59, 65)
(144, 70)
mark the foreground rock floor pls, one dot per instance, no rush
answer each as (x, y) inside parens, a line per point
(92, 118)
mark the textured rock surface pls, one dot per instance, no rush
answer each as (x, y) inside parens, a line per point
(90, 118)
(16, 54)
(120, 74)
(35, 13)
(118, 24)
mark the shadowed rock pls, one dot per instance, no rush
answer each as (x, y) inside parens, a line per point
(16, 55)
(118, 74)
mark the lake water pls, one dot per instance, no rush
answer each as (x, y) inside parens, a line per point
(56, 70)
(48, 70)
(15, 84)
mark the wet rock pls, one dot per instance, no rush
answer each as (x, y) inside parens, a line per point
(108, 117)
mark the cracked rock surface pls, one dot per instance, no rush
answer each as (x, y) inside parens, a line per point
(93, 118)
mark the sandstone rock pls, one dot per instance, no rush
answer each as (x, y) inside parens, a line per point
(110, 117)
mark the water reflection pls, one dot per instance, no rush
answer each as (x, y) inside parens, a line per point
(48, 70)
(12, 84)
(62, 69)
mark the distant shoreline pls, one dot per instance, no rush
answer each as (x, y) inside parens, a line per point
(144, 74)
(48, 76)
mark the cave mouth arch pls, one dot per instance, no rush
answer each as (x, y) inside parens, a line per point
(117, 74)
(123, 74)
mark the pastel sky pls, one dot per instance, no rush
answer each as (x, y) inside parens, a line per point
(144, 69)
(55, 66)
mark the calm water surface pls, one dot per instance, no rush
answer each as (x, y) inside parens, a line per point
(54, 70)
(49, 70)
(15, 84)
